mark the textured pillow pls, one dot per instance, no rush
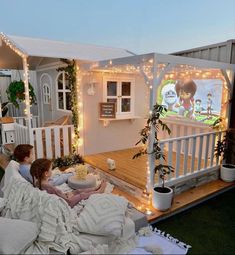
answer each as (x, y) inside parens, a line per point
(2, 204)
(11, 171)
(16, 235)
(103, 214)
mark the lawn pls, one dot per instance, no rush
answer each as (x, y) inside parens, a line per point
(209, 227)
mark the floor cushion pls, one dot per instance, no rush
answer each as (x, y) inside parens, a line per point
(16, 235)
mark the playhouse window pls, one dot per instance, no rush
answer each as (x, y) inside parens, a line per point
(63, 92)
(120, 92)
(46, 94)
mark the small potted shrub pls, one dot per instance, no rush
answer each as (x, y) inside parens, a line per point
(162, 195)
(226, 149)
(15, 93)
(67, 161)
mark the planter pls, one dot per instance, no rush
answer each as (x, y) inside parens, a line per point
(162, 198)
(227, 172)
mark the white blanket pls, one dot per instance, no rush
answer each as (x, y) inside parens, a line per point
(58, 223)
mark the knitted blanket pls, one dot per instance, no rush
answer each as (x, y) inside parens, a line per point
(60, 226)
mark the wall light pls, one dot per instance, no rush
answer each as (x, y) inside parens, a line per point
(91, 88)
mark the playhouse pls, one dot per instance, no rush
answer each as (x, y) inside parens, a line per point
(115, 92)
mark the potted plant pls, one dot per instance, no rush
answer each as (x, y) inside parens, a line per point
(15, 93)
(226, 149)
(162, 195)
(67, 161)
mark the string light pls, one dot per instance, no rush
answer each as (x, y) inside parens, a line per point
(12, 46)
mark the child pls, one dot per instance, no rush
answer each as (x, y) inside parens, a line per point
(24, 154)
(41, 171)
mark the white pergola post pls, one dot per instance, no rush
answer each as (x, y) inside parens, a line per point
(229, 82)
(27, 100)
(153, 97)
(152, 100)
(79, 92)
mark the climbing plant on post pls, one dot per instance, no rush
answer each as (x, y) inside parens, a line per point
(70, 70)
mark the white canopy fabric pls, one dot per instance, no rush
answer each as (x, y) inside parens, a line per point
(59, 49)
(43, 48)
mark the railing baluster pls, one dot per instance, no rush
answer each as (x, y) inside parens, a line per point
(206, 150)
(194, 140)
(57, 142)
(219, 139)
(48, 142)
(65, 141)
(200, 152)
(170, 147)
(212, 149)
(186, 142)
(178, 155)
(39, 144)
(161, 161)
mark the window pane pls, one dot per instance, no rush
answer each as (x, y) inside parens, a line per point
(66, 81)
(60, 81)
(61, 100)
(111, 88)
(126, 88)
(68, 101)
(126, 104)
(112, 100)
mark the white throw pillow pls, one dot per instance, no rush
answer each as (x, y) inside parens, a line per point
(103, 214)
(16, 235)
(11, 171)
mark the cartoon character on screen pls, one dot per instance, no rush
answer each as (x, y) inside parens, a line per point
(209, 105)
(198, 106)
(169, 97)
(186, 91)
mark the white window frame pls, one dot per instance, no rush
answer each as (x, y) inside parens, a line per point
(119, 97)
(46, 95)
(64, 91)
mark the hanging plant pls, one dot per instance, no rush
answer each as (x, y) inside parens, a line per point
(16, 93)
(70, 70)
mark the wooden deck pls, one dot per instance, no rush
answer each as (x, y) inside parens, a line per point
(132, 171)
(182, 201)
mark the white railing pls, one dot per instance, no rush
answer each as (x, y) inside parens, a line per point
(19, 112)
(21, 134)
(52, 142)
(22, 121)
(179, 128)
(191, 156)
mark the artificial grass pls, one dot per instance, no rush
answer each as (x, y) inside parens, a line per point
(209, 227)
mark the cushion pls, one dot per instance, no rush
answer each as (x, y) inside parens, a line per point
(11, 171)
(2, 204)
(103, 214)
(16, 235)
(75, 183)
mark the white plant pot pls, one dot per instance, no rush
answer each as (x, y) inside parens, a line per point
(227, 172)
(162, 201)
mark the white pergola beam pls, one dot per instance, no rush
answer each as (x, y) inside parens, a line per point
(27, 99)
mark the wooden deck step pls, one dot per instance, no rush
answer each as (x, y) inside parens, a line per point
(182, 201)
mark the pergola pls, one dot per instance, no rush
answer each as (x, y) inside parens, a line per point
(156, 67)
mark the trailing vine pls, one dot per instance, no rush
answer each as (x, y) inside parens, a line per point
(70, 70)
